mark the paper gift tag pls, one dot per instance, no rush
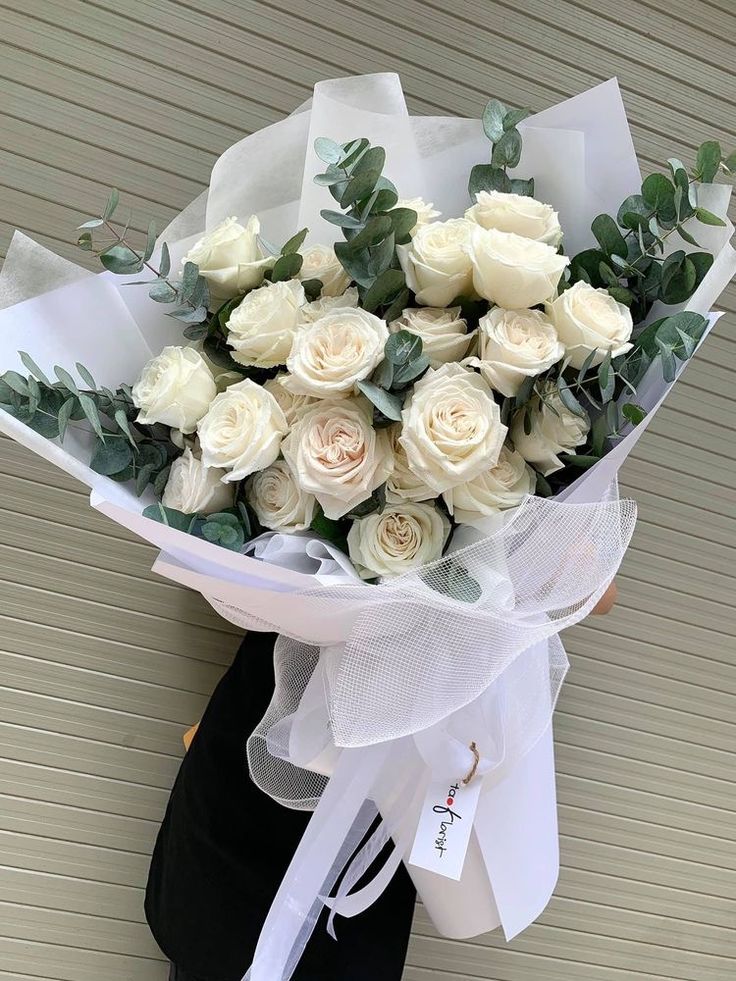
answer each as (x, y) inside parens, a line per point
(445, 823)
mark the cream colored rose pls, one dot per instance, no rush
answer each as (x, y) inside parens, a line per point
(436, 262)
(175, 388)
(554, 429)
(320, 262)
(398, 539)
(402, 483)
(514, 345)
(326, 304)
(242, 431)
(512, 271)
(194, 488)
(424, 209)
(516, 213)
(261, 329)
(289, 402)
(444, 333)
(503, 486)
(335, 454)
(589, 319)
(277, 499)
(332, 355)
(452, 428)
(230, 258)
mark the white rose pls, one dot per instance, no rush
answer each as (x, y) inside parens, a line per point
(436, 262)
(589, 319)
(512, 271)
(230, 258)
(242, 431)
(332, 355)
(175, 388)
(336, 454)
(403, 484)
(326, 304)
(443, 331)
(320, 262)
(514, 345)
(555, 429)
(261, 329)
(400, 538)
(452, 428)
(516, 213)
(277, 499)
(290, 403)
(424, 209)
(503, 486)
(194, 488)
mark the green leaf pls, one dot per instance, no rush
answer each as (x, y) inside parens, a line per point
(359, 187)
(568, 399)
(708, 218)
(386, 403)
(453, 580)
(632, 209)
(386, 196)
(111, 457)
(708, 161)
(403, 346)
(171, 517)
(493, 117)
(373, 160)
(674, 164)
(376, 230)
(159, 484)
(86, 376)
(523, 187)
(384, 289)
(66, 379)
(331, 530)
(486, 177)
(161, 292)
(142, 478)
(327, 150)
(90, 410)
(658, 193)
(17, 382)
(189, 278)
(402, 221)
(679, 278)
(514, 116)
(164, 266)
(381, 256)
(410, 371)
(122, 420)
(150, 240)
(295, 242)
(606, 378)
(340, 219)
(85, 241)
(669, 365)
(65, 414)
(579, 460)
(507, 152)
(111, 204)
(187, 315)
(121, 260)
(633, 412)
(383, 376)
(397, 306)
(687, 237)
(287, 267)
(312, 288)
(586, 266)
(92, 223)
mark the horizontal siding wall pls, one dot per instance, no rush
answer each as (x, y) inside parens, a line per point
(103, 665)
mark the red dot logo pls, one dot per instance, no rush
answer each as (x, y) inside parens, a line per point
(450, 801)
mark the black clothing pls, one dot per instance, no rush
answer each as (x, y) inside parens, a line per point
(224, 846)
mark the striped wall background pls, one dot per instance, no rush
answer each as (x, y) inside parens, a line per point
(103, 666)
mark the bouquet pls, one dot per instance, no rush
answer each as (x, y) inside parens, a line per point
(393, 436)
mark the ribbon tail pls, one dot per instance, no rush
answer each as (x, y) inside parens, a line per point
(338, 825)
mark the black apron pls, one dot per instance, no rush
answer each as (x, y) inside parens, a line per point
(224, 847)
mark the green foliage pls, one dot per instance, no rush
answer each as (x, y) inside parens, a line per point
(123, 448)
(229, 529)
(404, 362)
(371, 224)
(499, 125)
(332, 531)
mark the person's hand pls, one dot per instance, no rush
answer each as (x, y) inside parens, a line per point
(607, 601)
(191, 733)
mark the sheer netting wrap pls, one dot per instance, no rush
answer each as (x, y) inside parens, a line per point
(391, 660)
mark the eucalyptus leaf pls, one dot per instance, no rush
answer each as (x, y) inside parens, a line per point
(708, 218)
(708, 160)
(164, 266)
(327, 150)
(90, 410)
(388, 404)
(402, 347)
(295, 242)
(287, 267)
(487, 177)
(341, 219)
(111, 204)
(162, 292)
(493, 117)
(633, 412)
(171, 517)
(121, 260)
(111, 457)
(384, 289)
